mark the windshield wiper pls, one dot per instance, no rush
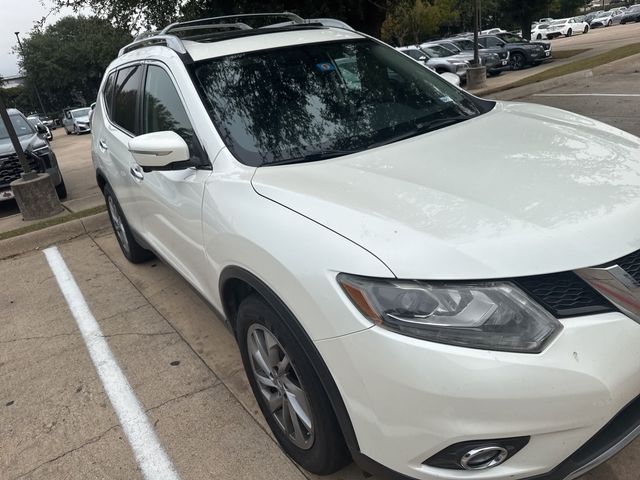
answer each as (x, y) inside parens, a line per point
(313, 156)
(423, 127)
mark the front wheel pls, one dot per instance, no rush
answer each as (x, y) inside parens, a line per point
(569, 33)
(67, 131)
(288, 389)
(586, 29)
(131, 249)
(539, 37)
(517, 61)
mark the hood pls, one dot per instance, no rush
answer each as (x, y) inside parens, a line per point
(82, 119)
(521, 190)
(28, 142)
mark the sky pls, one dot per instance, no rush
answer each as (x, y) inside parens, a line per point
(19, 16)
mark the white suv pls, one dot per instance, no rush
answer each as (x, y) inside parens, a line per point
(435, 285)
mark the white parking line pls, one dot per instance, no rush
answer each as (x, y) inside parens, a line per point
(586, 95)
(152, 460)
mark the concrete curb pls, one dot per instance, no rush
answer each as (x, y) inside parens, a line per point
(527, 90)
(46, 237)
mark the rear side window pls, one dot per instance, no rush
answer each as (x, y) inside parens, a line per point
(162, 107)
(108, 93)
(126, 98)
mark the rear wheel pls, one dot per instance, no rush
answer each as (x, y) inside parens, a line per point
(131, 249)
(288, 389)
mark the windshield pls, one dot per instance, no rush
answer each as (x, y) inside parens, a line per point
(81, 112)
(20, 124)
(437, 50)
(307, 102)
(464, 44)
(511, 38)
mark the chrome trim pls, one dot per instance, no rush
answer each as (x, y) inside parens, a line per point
(614, 450)
(501, 456)
(617, 286)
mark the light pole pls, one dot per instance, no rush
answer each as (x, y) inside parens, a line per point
(476, 74)
(35, 87)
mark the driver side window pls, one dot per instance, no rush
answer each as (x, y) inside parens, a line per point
(162, 107)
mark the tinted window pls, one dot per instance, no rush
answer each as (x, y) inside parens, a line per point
(108, 93)
(125, 98)
(308, 102)
(20, 125)
(163, 109)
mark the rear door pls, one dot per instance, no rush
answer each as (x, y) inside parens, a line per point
(171, 201)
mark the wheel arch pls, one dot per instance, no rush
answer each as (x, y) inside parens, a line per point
(235, 284)
(101, 179)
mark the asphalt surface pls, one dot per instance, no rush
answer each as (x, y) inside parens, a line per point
(612, 95)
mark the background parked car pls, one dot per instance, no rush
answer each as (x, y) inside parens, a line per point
(631, 15)
(44, 119)
(40, 127)
(521, 52)
(76, 120)
(490, 60)
(566, 27)
(539, 31)
(438, 64)
(607, 19)
(39, 155)
(466, 45)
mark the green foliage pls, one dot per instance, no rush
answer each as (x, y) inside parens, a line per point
(18, 97)
(66, 60)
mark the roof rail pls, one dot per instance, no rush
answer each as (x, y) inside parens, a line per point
(170, 41)
(204, 21)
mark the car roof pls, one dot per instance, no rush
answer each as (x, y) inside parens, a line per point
(265, 41)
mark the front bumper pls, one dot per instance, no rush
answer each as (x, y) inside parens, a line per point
(82, 127)
(409, 399)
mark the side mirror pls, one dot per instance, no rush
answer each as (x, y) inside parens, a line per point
(41, 129)
(158, 150)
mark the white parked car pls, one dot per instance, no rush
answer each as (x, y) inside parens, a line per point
(566, 27)
(418, 279)
(539, 31)
(492, 31)
(76, 120)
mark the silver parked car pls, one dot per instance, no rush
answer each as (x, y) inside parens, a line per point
(40, 126)
(436, 62)
(76, 120)
(492, 60)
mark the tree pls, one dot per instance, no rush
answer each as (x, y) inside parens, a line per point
(364, 15)
(67, 60)
(414, 21)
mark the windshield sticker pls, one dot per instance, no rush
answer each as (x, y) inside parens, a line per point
(325, 67)
(446, 99)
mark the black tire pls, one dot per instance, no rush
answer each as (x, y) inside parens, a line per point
(131, 249)
(569, 33)
(327, 451)
(609, 23)
(61, 189)
(517, 61)
(539, 37)
(67, 131)
(586, 29)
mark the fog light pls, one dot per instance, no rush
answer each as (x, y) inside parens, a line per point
(485, 457)
(477, 454)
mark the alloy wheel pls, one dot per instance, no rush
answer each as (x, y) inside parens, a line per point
(118, 225)
(279, 384)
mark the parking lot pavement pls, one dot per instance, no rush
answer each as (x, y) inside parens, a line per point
(612, 95)
(57, 421)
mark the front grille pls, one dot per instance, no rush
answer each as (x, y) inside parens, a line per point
(10, 168)
(564, 294)
(631, 264)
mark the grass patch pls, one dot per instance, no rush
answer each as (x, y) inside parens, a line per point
(52, 221)
(573, 67)
(562, 54)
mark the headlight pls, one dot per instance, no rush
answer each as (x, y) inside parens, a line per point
(490, 316)
(41, 151)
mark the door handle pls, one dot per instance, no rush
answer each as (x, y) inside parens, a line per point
(136, 173)
(103, 145)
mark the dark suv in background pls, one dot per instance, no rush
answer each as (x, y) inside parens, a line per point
(522, 53)
(37, 150)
